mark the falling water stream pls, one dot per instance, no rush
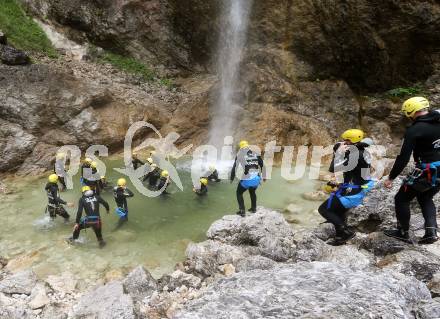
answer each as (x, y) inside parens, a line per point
(231, 46)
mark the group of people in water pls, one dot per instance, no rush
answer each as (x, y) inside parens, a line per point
(422, 140)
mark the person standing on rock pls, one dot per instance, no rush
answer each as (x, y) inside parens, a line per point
(55, 203)
(353, 160)
(422, 140)
(89, 203)
(253, 166)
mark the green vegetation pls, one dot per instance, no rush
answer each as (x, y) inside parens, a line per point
(133, 66)
(22, 31)
(402, 92)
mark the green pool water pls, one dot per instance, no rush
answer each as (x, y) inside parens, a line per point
(156, 235)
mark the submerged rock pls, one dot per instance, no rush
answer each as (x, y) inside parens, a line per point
(309, 290)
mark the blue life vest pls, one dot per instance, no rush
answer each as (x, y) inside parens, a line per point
(431, 170)
(351, 201)
(120, 212)
(252, 182)
(87, 220)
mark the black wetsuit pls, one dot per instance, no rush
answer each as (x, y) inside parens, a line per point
(54, 206)
(164, 182)
(59, 169)
(203, 190)
(335, 212)
(422, 140)
(214, 176)
(121, 194)
(137, 163)
(90, 202)
(153, 177)
(253, 163)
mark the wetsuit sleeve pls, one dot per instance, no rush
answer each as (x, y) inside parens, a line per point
(103, 203)
(331, 169)
(128, 193)
(405, 155)
(57, 199)
(79, 212)
(262, 167)
(233, 169)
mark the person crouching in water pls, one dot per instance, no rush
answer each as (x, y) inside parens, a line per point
(55, 203)
(202, 189)
(164, 182)
(121, 193)
(89, 203)
(349, 194)
(422, 140)
(213, 174)
(253, 166)
(152, 176)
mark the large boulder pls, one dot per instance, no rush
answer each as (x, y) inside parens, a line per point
(309, 290)
(266, 230)
(139, 283)
(105, 302)
(12, 56)
(20, 283)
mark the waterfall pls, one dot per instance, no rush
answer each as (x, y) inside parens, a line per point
(232, 41)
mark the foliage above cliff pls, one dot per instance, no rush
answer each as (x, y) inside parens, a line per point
(22, 31)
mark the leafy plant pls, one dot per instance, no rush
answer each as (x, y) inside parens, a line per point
(402, 92)
(133, 66)
(22, 31)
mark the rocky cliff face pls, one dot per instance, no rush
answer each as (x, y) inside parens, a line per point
(306, 65)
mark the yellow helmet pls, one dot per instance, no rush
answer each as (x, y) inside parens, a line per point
(102, 177)
(212, 167)
(53, 178)
(353, 135)
(122, 182)
(413, 105)
(85, 189)
(88, 160)
(243, 144)
(60, 156)
(204, 181)
(164, 173)
(93, 164)
(150, 160)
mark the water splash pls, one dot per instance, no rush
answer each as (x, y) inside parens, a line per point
(231, 46)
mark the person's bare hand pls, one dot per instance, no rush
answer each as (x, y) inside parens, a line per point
(75, 227)
(388, 183)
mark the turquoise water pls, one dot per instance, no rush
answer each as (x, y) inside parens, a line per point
(156, 235)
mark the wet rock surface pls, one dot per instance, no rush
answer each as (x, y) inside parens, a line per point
(295, 290)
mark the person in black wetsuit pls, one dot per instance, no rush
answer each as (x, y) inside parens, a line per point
(55, 203)
(152, 176)
(121, 193)
(213, 174)
(164, 182)
(136, 162)
(202, 189)
(422, 140)
(355, 186)
(253, 166)
(59, 169)
(86, 164)
(89, 203)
